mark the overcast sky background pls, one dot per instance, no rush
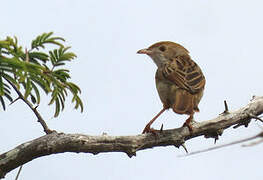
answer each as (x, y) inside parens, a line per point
(118, 89)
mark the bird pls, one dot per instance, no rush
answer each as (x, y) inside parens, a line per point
(179, 81)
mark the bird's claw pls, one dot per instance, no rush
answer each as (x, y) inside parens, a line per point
(148, 129)
(190, 127)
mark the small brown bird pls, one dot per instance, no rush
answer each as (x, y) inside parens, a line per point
(179, 80)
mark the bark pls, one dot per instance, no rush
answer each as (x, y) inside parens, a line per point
(59, 142)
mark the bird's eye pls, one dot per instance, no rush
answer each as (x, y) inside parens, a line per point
(162, 48)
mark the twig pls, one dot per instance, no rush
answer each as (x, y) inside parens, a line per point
(20, 168)
(255, 117)
(253, 143)
(224, 145)
(34, 109)
(27, 55)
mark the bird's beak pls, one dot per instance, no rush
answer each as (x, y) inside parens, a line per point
(144, 51)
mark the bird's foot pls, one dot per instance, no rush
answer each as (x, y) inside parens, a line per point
(190, 127)
(148, 129)
(188, 123)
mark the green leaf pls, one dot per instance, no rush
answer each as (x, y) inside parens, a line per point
(2, 102)
(1, 86)
(52, 58)
(33, 99)
(37, 69)
(73, 88)
(59, 56)
(28, 88)
(46, 38)
(36, 93)
(54, 96)
(11, 79)
(38, 56)
(61, 74)
(59, 64)
(61, 100)
(7, 89)
(42, 82)
(8, 97)
(57, 108)
(78, 103)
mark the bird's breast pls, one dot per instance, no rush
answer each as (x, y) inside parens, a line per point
(167, 92)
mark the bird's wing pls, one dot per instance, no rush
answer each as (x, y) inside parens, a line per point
(185, 73)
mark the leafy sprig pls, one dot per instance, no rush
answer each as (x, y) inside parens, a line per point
(35, 69)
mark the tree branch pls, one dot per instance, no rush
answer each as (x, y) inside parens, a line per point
(34, 109)
(59, 142)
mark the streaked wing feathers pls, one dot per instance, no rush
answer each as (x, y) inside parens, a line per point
(185, 73)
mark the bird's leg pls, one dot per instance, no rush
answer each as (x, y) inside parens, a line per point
(188, 122)
(148, 128)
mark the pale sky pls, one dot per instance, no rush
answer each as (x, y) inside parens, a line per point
(118, 89)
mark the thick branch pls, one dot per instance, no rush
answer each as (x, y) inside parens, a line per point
(59, 142)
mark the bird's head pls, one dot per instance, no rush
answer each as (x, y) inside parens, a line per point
(164, 51)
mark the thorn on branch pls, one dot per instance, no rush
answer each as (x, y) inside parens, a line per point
(95, 153)
(183, 145)
(161, 130)
(226, 111)
(131, 153)
(36, 107)
(243, 123)
(180, 143)
(226, 107)
(2, 174)
(260, 134)
(214, 134)
(14, 101)
(253, 97)
(247, 120)
(216, 138)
